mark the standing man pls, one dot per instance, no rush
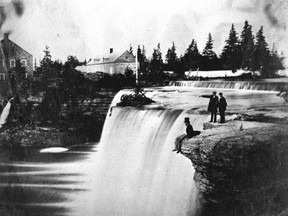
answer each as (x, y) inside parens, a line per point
(213, 105)
(222, 107)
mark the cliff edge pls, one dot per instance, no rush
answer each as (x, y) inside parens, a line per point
(241, 159)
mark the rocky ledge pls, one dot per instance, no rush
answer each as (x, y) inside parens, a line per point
(241, 160)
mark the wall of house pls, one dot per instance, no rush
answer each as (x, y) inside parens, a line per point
(115, 66)
(3, 89)
(106, 68)
(4, 85)
(14, 52)
(121, 67)
(126, 57)
(110, 68)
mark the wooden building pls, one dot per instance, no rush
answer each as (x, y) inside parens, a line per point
(113, 63)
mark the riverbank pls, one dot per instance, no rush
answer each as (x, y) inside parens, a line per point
(85, 125)
(241, 167)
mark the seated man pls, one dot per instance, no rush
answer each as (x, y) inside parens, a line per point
(189, 134)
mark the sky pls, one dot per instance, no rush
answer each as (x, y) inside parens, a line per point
(89, 28)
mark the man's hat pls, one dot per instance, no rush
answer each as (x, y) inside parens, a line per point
(186, 120)
(220, 93)
(214, 92)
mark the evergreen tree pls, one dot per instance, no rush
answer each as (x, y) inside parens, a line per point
(209, 57)
(261, 52)
(275, 63)
(247, 46)
(231, 56)
(192, 57)
(49, 70)
(156, 66)
(143, 62)
(208, 50)
(171, 58)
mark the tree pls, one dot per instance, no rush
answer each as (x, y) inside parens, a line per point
(143, 63)
(192, 57)
(231, 56)
(171, 58)
(72, 62)
(208, 50)
(21, 91)
(49, 70)
(261, 52)
(156, 66)
(274, 63)
(209, 57)
(247, 46)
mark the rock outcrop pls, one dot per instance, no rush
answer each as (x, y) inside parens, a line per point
(248, 160)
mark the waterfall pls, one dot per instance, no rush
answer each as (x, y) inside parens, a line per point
(244, 85)
(136, 172)
(4, 114)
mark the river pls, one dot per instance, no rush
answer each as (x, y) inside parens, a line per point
(132, 171)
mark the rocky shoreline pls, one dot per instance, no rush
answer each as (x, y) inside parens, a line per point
(85, 126)
(241, 164)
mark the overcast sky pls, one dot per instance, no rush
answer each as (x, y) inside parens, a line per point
(88, 28)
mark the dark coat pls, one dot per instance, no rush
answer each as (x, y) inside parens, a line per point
(213, 102)
(189, 131)
(222, 104)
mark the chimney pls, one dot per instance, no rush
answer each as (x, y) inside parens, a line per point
(111, 50)
(6, 37)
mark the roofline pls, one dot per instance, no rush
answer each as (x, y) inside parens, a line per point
(120, 55)
(109, 63)
(17, 45)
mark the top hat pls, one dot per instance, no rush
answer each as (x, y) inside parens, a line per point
(186, 120)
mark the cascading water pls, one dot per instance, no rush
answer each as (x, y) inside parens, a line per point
(4, 114)
(136, 172)
(244, 85)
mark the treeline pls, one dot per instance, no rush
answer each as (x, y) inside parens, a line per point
(246, 52)
(59, 95)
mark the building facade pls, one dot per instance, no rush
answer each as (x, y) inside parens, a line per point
(5, 88)
(10, 52)
(13, 52)
(112, 64)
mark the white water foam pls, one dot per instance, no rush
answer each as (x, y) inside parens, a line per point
(135, 171)
(4, 114)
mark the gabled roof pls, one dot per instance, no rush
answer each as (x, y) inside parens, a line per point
(15, 45)
(111, 58)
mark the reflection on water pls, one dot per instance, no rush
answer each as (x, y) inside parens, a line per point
(41, 184)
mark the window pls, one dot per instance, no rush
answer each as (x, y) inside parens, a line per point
(23, 62)
(12, 63)
(2, 76)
